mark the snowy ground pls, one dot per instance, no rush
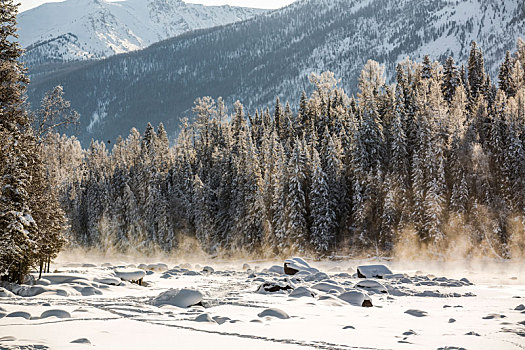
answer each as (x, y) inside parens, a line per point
(419, 310)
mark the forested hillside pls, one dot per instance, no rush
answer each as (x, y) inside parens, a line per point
(435, 160)
(273, 55)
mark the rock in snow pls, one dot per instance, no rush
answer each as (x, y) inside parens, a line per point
(130, 274)
(357, 298)
(294, 265)
(55, 313)
(274, 287)
(181, 298)
(326, 287)
(416, 313)
(300, 292)
(22, 314)
(372, 285)
(372, 271)
(204, 318)
(273, 312)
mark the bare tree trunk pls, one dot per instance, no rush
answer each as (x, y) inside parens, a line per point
(41, 267)
(48, 263)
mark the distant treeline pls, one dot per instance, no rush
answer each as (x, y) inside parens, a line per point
(436, 160)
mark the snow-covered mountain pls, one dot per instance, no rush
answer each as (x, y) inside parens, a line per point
(90, 29)
(273, 54)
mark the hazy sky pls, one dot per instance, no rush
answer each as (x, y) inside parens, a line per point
(269, 4)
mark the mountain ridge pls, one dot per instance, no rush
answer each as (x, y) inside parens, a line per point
(270, 55)
(94, 29)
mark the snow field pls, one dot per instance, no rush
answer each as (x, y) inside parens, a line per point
(409, 310)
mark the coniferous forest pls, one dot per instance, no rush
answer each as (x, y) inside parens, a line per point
(433, 163)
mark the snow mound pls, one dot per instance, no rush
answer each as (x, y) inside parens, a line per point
(300, 292)
(326, 287)
(416, 313)
(21, 314)
(88, 291)
(4, 293)
(58, 278)
(128, 274)
(294, 265)
(178, 297)
(273, 312)
(357, 298)
(372, 271)
(371, 285)
(206, 318)
(55, 313)
(108, 280)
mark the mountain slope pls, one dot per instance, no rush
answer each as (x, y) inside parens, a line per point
(270, 55)
(87, 29)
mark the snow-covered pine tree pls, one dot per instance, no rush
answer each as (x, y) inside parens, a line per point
(323, 215)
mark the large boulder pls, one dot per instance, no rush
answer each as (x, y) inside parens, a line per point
(294, 265)
(372, 271)
(179, 297)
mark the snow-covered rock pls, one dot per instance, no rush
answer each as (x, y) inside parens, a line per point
(273, 312)
(372, 271)
(372, 285)
(108, 280)
(315, 277)
(179, 297)
(270, 287)
(416, 313)
(276, 269)
(294, 265)
(326, 287)
(127, 274)
(21, 314)
(208, 269)
(300, 292)
(55, 313)
(204, 318)
(357, 298)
